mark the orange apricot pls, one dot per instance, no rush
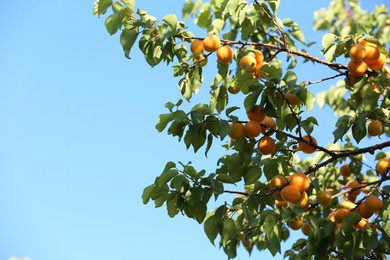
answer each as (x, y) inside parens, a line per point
(256, 114)
(237, 131)
(225, 54)
(383, 166)
(291, 194)
(259, 56)
(281, 204)
(357, 53)
(375, 127)
(197, 46)
(252, 129)
(345, 171)
(340, 214)
(357, 69)
(306, 229)
(211, 43)
(267, 124)
(304, 201)
(278, 196)
(305, 147)
(373, 204)
(278, 181)
(266, 145)
(258, 72)
(299, 180)
(295, 224)
(233, 89)
(324, 198)
(292, 99)
(352, 184)
(248, 62)
(362, 210)
(379, 63)
(372, 54)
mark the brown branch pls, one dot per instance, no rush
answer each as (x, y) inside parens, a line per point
(305, 55)
(369, 149)
(327, 78)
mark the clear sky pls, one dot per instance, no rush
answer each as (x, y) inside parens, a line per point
(77, 137)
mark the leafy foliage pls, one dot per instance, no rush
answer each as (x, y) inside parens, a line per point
(254, 216)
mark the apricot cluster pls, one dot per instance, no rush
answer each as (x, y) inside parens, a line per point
(259, 123)
(293, 191)
(253, 63)
(365, 55)
(211, 43)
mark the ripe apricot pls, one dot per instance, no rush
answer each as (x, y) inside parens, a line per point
(278, 196)
(266, 145)
(375, 127)
(352, 184)
(305, 147)
(258, 71)
(340, 214)
(376, 89)
(295, 224)
(256, 114)
(267, 124)
(291, 194)
(197, 46)
(225, 54)
(379, 63)
(373, 204)
(259, 56)
(324, 198)
(236, 131)
(347, 204)
(383, 166)
(248, 62)
(331, 217)
(211, 43)
(233, 89)
(299, 180)
(357, 69)
(362, 224)
(304, 201)
(306, 229)
(292, 99)
(372, 54)
(252, 129)
(345, 171)
(357, 53)
(278, 181)
(362, 210)
(281, 204)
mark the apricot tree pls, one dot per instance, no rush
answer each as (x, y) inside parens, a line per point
(276, 176)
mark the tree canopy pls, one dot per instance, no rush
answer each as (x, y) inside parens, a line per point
(275, 177)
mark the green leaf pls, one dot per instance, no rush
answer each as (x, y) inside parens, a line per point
(223, 128)
(251, 100)
(147, 193)
(163, 121)
(165, 177)
(171, 205)
(327, 40)
(211, 228)
(308, 124)
(127, 40)
(113, 23)
(130, 4)
(359, 130)
(370, 240)
(225, 178)
(100, 7)
(252, 175)
(209, 143)
(342, 126)
(171, 20)
(229, 230)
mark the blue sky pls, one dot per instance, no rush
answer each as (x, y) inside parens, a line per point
(77, 137)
